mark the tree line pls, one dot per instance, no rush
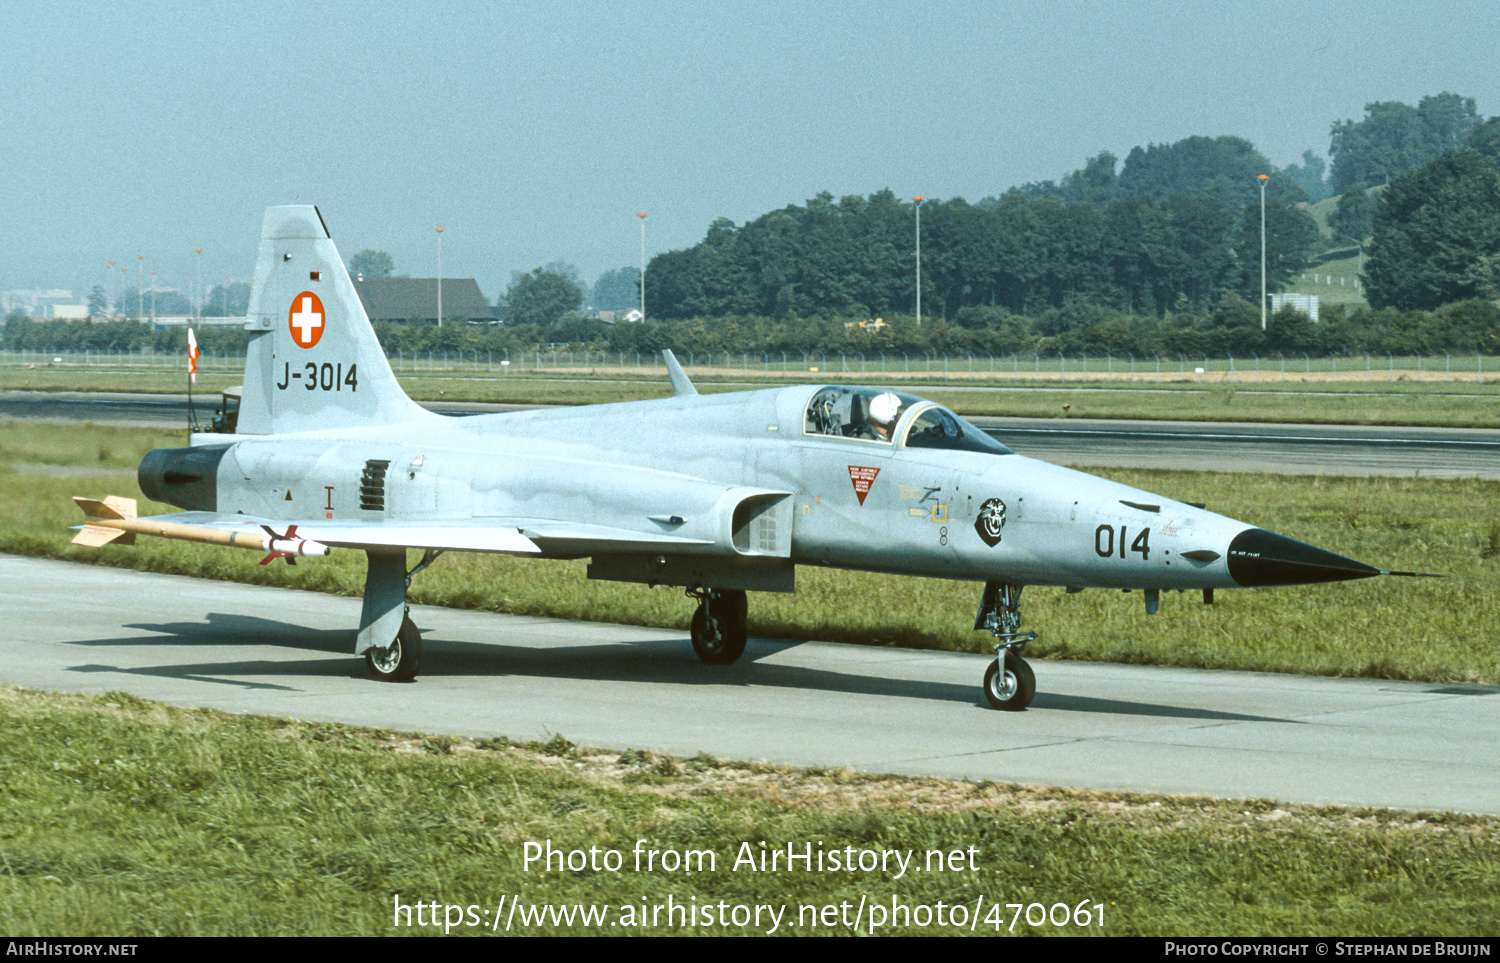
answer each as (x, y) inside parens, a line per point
(1228, 328)
(1173, 230)
(856, 257)
(121, 336)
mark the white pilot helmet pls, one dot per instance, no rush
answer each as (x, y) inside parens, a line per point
(883, 408)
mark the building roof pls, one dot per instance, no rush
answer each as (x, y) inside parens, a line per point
(407, 299)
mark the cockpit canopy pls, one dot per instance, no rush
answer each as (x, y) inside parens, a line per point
(881, 416)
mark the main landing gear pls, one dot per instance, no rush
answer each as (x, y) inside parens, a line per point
(399, 661)
(1009, 682)
(719, 625)
(384, 603)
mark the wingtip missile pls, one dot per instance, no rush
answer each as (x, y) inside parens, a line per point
(114, 521)
(289, 546)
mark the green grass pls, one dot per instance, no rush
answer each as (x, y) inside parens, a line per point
(125, 818)
(1333, 280)
(1397, 628)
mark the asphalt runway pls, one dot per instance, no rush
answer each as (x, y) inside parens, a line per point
(1083, 443)
(285, 653)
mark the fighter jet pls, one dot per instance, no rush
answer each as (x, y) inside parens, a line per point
(718, 494)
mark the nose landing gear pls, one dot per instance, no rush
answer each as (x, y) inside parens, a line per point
(1009, 683)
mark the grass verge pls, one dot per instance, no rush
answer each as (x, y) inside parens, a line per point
(125, 817)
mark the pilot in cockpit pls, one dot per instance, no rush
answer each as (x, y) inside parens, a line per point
(881, 418)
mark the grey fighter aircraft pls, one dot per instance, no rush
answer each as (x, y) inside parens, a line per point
(721, 494)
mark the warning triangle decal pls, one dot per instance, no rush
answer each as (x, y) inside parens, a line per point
(862, 478)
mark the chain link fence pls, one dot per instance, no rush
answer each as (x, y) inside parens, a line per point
(564, 362)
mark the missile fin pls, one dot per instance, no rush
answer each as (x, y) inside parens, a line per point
(95, 536)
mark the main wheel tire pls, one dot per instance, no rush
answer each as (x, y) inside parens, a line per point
(720, 639)
(399, 661)
(1011, 689)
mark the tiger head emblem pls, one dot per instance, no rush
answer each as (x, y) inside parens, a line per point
(991, 519)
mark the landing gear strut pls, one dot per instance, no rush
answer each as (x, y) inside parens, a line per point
(1009, 682)
(719, 625)
(385, 616)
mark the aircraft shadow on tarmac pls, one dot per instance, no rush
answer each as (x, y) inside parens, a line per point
(222, 629)
(667, 661)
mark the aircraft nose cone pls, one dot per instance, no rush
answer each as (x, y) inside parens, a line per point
(1258, 557)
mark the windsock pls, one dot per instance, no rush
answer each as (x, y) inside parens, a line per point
(192, 357)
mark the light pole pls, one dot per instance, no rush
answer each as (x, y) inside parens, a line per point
(643, 265)
(440, 276)
(1263, 178)
(140, 285)
(199, 299)
(918, 201)
(1361, 250)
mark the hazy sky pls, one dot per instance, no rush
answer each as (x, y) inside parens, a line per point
(533, 132)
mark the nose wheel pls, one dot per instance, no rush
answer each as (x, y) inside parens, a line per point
(1009, 686)
(718, 629)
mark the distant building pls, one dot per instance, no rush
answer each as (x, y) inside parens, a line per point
(1306, 303)
(35, 303)
(412, 299)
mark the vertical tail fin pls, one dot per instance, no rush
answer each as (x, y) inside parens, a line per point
(313, 361)
(681, 384)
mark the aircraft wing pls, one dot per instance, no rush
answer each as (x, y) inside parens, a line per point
(505, 535)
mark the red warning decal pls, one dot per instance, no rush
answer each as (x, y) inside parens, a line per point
(862, 478)
(305, 319)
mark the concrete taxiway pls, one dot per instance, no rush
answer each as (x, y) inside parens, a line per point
(247, 649)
